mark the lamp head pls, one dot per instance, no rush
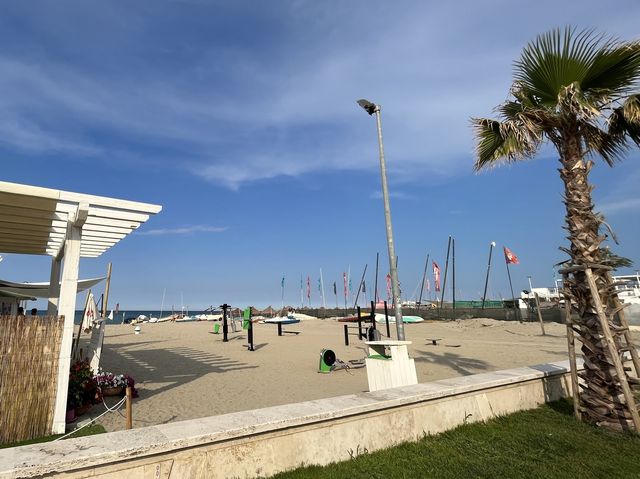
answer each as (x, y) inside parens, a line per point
(369, 107)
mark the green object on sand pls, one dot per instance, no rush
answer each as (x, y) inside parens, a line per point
(216, 328)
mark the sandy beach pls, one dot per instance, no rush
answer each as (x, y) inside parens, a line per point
(184, 371)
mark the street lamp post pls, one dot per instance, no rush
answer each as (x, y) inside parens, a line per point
(372, 108)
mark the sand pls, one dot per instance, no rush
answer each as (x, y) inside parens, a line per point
(184, 371)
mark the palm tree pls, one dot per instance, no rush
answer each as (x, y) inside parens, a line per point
(578, 90)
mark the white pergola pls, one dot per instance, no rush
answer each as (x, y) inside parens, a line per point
(66, 226)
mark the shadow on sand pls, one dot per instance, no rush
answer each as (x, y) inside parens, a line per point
(171, 367)
(462, 365)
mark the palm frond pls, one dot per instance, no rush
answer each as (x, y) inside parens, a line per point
(604, 68)
(504, 141)
(625, 120)
(631, 109)
(610, 147)
(615, 70)
(555, 60)
(572, 99)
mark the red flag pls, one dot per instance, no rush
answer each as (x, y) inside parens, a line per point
(436, 275)
(509, 257)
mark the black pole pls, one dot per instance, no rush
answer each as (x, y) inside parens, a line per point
(453, 269)
(486, 281)
(279, 329)
(424, 275)
(373, 315)
(250, 331)
(360, 285)
(359, 324)
(225, 326)
(346, 335)
(386, 318)
(446, 267)
(511, 286)
(375, 289)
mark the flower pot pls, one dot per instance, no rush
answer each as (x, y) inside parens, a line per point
(80, 410)
(71, 416)
(112, 391)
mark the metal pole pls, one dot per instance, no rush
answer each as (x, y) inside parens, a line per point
(446, 268)
(225, 325)
(424, 275)
(393, 270)
(486, 281)
(386, 319)
(360, 285)
(250, 331)
(375, 288)
(453, 270)
(516, 305)
(105, 299)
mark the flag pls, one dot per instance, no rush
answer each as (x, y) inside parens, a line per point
(388, 287)
(364, 287)
(428, 284)
(350, 288)
(509, 257)
(436, 275)
(335, 289)
(308, 288)
(90, 313)
(319, 285)
(344, 278)
(111, 315)
(282, 282)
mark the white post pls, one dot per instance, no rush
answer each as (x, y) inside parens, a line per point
(54, 286)
(67, 308)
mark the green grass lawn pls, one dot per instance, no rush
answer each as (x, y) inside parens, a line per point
(87, 431)
(543, 443)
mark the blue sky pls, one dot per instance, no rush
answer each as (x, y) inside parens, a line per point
(240, 119)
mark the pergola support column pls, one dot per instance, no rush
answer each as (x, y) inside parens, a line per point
(67, 308)
(54, 286)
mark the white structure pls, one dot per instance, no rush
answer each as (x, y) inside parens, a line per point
(389, 365)
(64, 225)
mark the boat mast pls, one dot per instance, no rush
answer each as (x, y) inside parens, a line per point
(162, 304)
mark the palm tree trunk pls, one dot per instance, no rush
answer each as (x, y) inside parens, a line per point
(601, 400)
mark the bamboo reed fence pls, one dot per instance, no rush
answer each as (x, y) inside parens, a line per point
(29, 352)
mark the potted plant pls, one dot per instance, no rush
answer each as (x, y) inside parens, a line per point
(82, 387)
(110, 384)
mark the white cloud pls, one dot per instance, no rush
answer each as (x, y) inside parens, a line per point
(232, 113)
(186, 230)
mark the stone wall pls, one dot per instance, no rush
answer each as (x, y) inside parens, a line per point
(265, 441)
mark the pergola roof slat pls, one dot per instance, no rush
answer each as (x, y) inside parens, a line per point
(33, 220)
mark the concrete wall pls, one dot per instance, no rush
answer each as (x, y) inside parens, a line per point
(265, 441)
